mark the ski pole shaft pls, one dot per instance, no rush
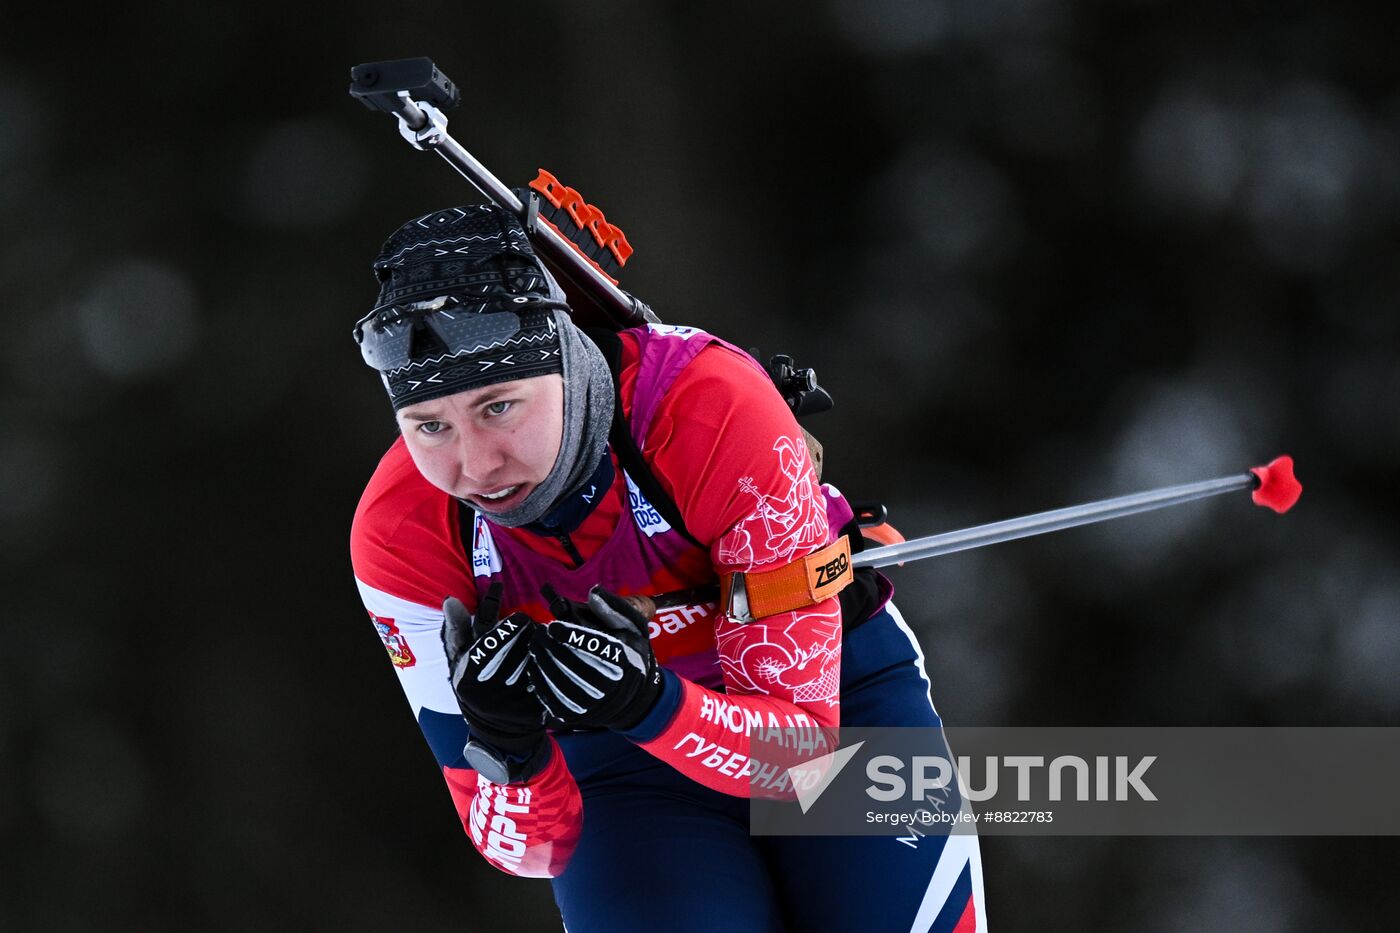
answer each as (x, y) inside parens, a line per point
(1274, 487)
(1045, 522)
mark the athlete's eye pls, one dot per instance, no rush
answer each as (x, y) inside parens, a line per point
(496, 409)
(432, 427)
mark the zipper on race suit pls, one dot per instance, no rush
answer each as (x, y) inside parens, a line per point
(563, 538)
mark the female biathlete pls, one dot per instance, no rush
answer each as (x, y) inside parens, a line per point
(543, 474)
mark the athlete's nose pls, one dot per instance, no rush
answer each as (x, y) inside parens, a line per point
(479, 460)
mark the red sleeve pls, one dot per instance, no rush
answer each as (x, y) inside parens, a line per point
(529, 829)
(406, 557)
(405, 539)
(728, 450)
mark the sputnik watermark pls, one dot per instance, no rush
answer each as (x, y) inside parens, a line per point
(1103, 781)
(888, 782)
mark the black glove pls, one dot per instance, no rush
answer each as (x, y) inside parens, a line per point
(486, 662)
(593, 666)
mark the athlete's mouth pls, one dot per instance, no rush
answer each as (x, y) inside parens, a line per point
(500, 498)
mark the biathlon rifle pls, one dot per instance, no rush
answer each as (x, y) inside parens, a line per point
(585, 251)
(573, 237)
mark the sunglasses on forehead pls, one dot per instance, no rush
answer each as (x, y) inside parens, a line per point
(392, 338)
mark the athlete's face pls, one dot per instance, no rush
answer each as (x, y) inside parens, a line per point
(490, 446)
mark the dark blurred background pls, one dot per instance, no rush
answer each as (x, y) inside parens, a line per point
(1041, 251)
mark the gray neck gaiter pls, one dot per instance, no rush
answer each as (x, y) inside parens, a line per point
(588, 415)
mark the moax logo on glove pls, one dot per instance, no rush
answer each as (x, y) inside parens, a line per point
(596, 646)
(491, 641)
(890, 785)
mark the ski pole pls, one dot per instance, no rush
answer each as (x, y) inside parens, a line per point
(1274, 486)
(415, 92)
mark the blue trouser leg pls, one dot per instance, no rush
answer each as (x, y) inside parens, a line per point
(874, 883)
(659, 851)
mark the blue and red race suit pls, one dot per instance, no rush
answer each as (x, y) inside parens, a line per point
(725, 449)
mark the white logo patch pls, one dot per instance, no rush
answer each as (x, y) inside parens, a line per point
(485, 560)
(675, 330)
(643, 512)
